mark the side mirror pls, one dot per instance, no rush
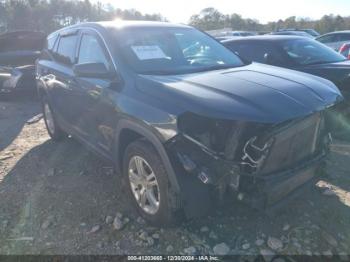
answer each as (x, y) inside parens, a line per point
(93, 70)
(270, 59)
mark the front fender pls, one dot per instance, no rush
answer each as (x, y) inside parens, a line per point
(152, 137)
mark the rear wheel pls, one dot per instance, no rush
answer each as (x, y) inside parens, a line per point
(148, 184)
(55, 132)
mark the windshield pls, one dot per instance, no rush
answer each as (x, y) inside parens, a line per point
(173, 51)
(307, 52)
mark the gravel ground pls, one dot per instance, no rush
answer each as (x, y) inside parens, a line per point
(58, 198)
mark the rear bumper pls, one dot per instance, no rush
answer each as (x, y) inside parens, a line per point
(18, 83)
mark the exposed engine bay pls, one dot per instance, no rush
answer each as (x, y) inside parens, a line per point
(238, 156)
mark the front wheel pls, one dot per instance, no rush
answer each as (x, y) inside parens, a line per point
(148, 184)
(55, 132)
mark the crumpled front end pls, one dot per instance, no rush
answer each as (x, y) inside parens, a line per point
(260, 163)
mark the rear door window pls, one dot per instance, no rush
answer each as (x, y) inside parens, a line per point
(66, 49)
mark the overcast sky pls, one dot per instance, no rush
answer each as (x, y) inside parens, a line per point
(179, 11)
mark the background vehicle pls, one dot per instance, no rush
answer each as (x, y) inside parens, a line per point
(297, 33)
(223, 38)
(311, 32)
(231, 34)
(300, 54)
(183, 118)
(345, 50)
(296, 53)
(18, 52)
(335, 39)
(241, 33)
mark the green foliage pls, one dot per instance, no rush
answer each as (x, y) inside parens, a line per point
(210, 19)
(50, 15)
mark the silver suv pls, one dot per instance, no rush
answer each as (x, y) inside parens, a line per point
(335, 39)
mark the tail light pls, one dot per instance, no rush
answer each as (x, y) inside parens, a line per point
(345, 50)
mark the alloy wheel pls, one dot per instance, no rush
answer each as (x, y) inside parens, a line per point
(144, 185)
(49, 119)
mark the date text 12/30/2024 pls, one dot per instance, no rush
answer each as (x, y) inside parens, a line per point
(173, 258)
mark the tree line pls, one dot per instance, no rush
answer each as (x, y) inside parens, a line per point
(50, 15)
(211, 19)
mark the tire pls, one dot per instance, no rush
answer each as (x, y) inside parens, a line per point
(52, 127)
(163, 214)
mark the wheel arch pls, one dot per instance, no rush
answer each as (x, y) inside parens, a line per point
(129, 131)
(40, 88)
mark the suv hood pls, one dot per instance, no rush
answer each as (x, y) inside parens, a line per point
(256, 92)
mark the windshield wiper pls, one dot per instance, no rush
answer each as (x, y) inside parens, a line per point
(215, 67)
(157, 72)
(186, 71)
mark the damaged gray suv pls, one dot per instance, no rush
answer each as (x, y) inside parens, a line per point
(185, 122)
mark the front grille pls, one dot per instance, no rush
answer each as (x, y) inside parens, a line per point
(293, 143)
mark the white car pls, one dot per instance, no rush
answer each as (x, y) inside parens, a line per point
(335, 39)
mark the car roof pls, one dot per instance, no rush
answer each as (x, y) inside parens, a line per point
(296, 32)
(241, 31)
(265, 38)
(121, 24)
(295, 29)
(130, 23)
(336, 32)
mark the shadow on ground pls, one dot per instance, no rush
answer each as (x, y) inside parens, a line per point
(15, 111)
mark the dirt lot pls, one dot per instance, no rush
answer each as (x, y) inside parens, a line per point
(57, 198)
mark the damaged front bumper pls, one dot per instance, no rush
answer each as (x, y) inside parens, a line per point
(272, 190)
(254, 177)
